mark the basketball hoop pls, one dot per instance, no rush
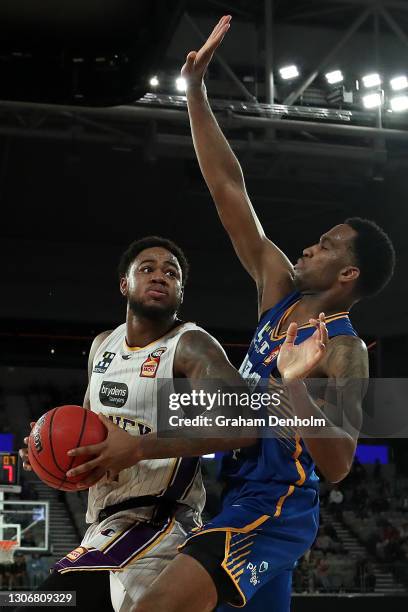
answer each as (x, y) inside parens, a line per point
(7, 550)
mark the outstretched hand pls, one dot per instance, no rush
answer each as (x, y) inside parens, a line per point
(295, 361)
(198, 61)
(117, 452)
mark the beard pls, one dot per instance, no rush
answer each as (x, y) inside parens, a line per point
(153, 312)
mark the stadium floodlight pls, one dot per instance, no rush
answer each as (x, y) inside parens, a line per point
(373, 100)
(372, 80)
(181, 84)
(336, 76)
(154, 81)
(289, 72)
(399, 103)
(399, 82)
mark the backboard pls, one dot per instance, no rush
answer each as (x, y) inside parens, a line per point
(27, 522)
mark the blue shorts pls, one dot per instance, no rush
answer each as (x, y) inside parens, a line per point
(257, 550)
(274, 596)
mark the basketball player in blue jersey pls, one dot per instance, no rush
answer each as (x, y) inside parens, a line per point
(245, 556)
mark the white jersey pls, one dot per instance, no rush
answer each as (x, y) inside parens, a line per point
(123, 387)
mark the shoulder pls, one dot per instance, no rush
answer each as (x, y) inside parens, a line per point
(347, 356)
(99, 339)
(195, 340)
(197, 350)
(96, 344)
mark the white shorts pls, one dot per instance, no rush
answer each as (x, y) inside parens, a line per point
(134, 551)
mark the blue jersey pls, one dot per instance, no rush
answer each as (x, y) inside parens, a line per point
(270, 509)
(277, 468)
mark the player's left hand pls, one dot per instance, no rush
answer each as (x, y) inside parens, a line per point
(117, 452)
(295, 361)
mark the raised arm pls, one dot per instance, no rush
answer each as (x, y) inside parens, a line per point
(264, 261)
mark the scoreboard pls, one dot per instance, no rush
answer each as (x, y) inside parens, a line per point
(9, 470)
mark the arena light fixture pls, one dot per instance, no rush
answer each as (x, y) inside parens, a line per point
(181, 84)
(372, 80)
(399, 104)
(373, 100)
(289, 72)
(399, 82)
(336, 76)
(154, 81)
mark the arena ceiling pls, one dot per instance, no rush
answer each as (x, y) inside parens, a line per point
(76, 186)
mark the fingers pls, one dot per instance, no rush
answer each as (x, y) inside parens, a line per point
(110, 425)
(93, 449)
(321, 333)
(291, 334)
(191, 59)
(32, 424)
(23, 452)
(324, 334)
(224, 21)
(84, 467)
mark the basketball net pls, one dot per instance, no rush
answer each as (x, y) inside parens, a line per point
(7, 550)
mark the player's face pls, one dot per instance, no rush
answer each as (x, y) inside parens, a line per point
(329, 261)
(153, 285)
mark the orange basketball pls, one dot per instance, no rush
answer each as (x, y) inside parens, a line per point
(57, 432)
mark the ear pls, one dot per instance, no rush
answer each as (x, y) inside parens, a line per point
(349, 274)
(123, 286)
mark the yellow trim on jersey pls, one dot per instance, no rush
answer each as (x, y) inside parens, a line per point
(275, 332)
(141, 348)
(282, 500)
(140, 554)
(241, 539)
(299, 483)
(299, 466)
(90, 569)
(243, 548)
(229, 572)
(238, 565)
(237, 558)
(155, 542)
(113, 538)
(230, 530)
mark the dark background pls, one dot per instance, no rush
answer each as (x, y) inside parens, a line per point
(72, 203)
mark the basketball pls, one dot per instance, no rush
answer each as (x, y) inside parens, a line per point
(54, 434)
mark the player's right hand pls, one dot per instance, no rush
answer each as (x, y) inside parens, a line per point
(198, 61)
(23, 452)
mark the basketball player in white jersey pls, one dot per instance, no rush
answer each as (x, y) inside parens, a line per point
(140, 515)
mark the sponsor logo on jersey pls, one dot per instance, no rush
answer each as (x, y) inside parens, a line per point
(37, 434)
(113, 394)
(254, 580)
(151, 365)
(263, 567)
(126, 357)
(104, 363)
(75, 554)
(273, 355)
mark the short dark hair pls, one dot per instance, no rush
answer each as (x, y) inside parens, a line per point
(149, 242)
(374, 255)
